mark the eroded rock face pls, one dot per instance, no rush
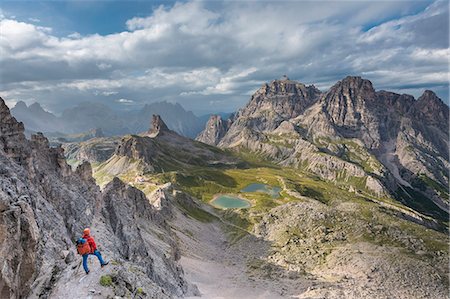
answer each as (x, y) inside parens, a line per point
(44, 207)
(95, 150)
(215, 130)
(348, 104)
(157, 126)
(285, 97)
(12, 138)
(392, 139)
(430, 109)
(130, 219)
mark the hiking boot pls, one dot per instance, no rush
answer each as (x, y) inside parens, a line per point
(87, 272)
(104, 264)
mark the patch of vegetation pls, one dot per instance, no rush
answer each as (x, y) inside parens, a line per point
(234, 235)
(198, 213)
(282, 140)
(423, 181)
(237, 218)
(106, 280)
(312, 193)
(140, 291)
(349, 150)
(115, 262)
(419, 202)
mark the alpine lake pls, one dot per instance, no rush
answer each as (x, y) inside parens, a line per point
(229, 201)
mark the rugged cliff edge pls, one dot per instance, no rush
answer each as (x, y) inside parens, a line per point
(44, 206)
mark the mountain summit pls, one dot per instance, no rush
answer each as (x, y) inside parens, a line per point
(431, 109)
(158, 127)
(372, 135)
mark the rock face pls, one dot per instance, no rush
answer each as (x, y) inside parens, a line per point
(349, 105)
(93, 150)
(284, 97)
(44, 207)
(157, 126)
(215, 130)
(430, 109)
(391, 141)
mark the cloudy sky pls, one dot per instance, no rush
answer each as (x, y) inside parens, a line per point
(211, 56)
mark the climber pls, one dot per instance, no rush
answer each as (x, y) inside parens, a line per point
(93, 250)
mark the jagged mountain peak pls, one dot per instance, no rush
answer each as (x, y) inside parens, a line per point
(285, 85)
(7, 121)
(20, 105)
(14, 144)
(158, 126)
(430, 97)
(284, 98)
(36, 106)
(431, 109)
(349, 105)
(354, 87)
(3, 106)
(429, 94)
(215, 129)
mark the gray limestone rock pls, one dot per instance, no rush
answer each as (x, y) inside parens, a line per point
(44, 207)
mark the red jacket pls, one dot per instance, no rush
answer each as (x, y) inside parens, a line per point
(91, 242)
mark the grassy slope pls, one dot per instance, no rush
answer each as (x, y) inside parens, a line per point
(205, 182)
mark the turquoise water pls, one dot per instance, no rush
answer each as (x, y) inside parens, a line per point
(230, 202)
(258, 187)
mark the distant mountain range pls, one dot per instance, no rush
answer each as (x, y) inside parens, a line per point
(93, 116)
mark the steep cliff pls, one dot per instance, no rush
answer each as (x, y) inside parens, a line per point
(45, 206)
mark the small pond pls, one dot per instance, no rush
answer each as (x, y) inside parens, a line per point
(258, 187)
(230, 202)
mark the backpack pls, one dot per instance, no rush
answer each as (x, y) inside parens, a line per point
(83, 247)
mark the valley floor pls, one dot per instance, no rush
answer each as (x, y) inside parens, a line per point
(222, 268)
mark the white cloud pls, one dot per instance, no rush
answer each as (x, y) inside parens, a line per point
(75, 35)
(17, 36)
(124, 101)
(109, 93)
(191, 18)
(227, 83)
(218, 51)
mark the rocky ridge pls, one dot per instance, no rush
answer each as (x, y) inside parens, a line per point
(161, 150)
(215, 130)
(44, 207)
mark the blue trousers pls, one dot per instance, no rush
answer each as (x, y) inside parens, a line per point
(85, 259)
